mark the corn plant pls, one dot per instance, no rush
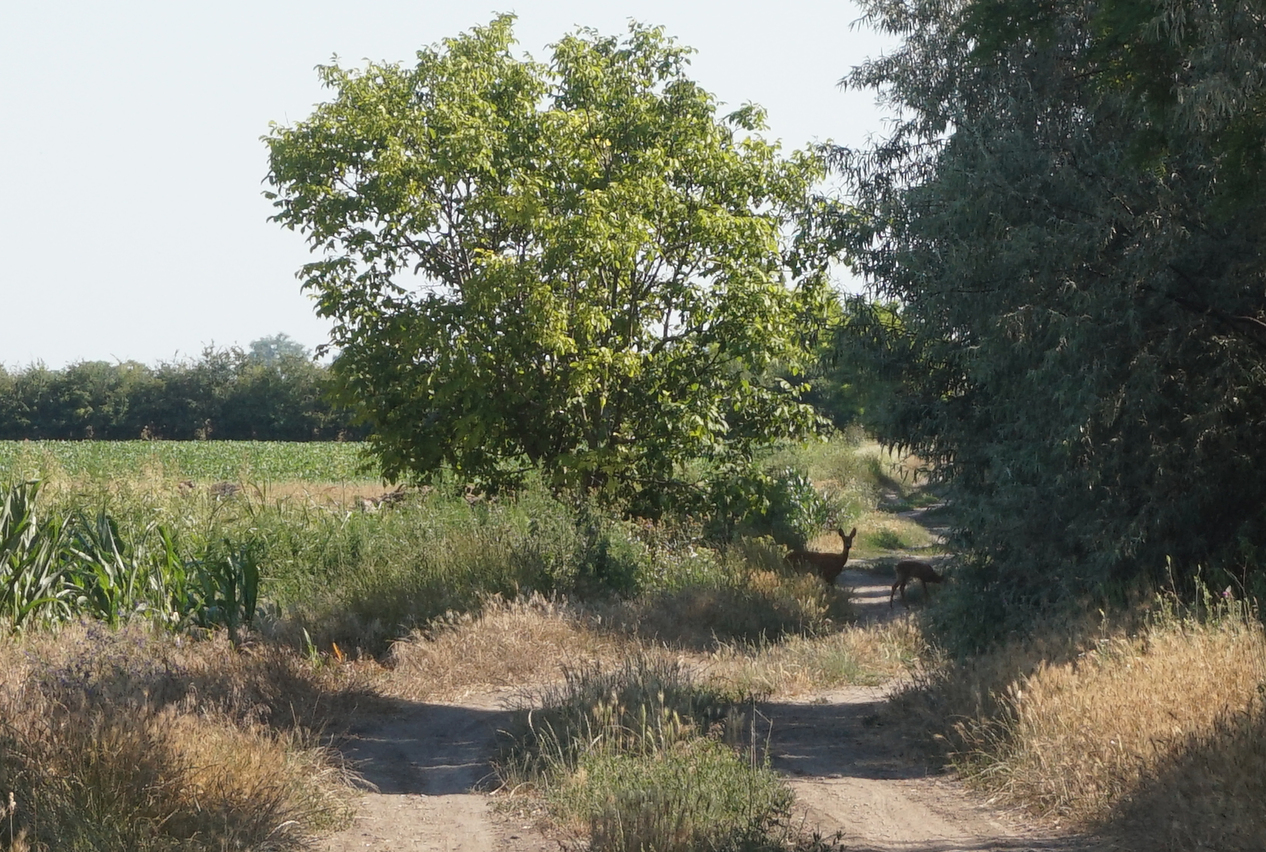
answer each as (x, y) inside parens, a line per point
(32, 560)
(55, 568)
(222, 589)
(116, 580)
(106, 578)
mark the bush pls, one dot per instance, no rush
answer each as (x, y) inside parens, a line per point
(638, 758)
(783, 504)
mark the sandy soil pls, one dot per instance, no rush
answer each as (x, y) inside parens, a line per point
(859, 781)
(426, 767)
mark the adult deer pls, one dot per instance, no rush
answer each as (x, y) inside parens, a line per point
(827, 565)
(910, 569)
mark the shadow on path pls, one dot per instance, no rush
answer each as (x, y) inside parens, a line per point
(861, 780)
(425, 749)
(837, 737)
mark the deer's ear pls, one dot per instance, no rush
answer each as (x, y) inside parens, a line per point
(853, 533)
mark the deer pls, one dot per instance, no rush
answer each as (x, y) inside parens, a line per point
(827, 565)
(910, 569)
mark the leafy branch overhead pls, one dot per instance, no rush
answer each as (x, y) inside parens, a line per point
(576, 266)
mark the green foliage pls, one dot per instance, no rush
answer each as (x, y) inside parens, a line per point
(605, 281)
(1064, 234)
(611, 558)
(273, 392)
(366, 579)
(796, 510)
(224, 590)
(640, 756)
(114, 580)
(32, 571)
(782, 503)
(148, 549)
(277, 349)
(58, 565)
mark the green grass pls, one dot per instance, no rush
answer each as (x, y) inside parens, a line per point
(640, 758)
(257, 462)
(847, 473)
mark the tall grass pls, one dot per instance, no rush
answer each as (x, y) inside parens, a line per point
(1154, 735)
(130, 741)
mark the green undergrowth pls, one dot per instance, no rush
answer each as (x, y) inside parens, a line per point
(639, 757)
(363, 579)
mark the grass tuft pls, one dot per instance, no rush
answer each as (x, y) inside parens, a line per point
(638, 757)
(854, 655)
(507, 644)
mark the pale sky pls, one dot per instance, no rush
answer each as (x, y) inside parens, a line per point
(133, 225)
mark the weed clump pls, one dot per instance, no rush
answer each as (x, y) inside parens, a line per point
(640, 758)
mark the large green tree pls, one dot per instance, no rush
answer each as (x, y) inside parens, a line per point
(1069, 216)
(576, 267)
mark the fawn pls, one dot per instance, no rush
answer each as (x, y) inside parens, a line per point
(828, 565)
(908, 570)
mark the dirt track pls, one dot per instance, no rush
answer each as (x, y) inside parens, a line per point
(858, 779)
(851, 775)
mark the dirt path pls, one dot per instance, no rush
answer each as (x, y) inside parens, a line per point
(859, 780)
(427, 766)
(852, 776)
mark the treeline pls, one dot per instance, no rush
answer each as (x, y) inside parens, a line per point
(272, 391)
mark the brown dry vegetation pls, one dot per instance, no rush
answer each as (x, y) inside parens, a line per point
(135, 740)
(508, 644)
(1153, 736)
(170, 741)
(512, 644)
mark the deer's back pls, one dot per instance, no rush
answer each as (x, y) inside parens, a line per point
(915, 570)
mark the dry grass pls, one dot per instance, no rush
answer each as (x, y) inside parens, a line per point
(854, 655)
(532, 642)
(509, 644)
(756, 605)
(129, 740)
(1156, 735)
